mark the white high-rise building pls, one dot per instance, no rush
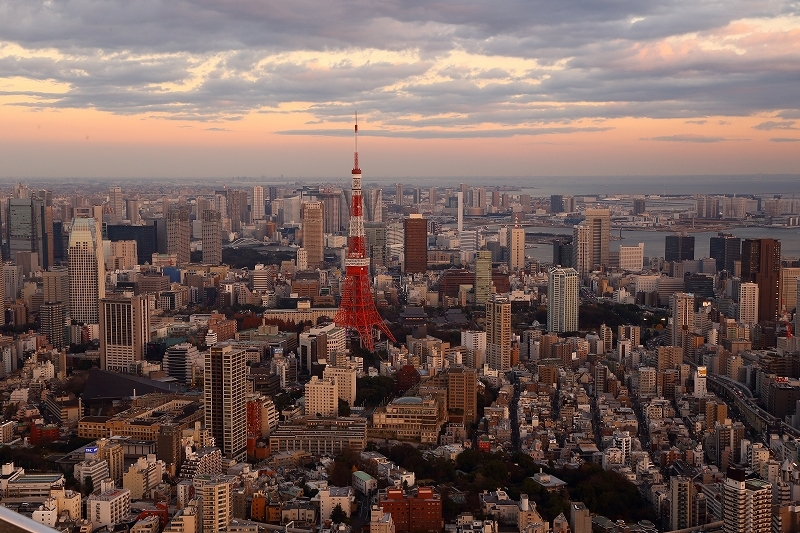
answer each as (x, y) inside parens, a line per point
(498, 333)
(562, 300)
(700, 389)
(109, 507)
(224, 393)
(124, 331)
(516, 248)
(631, 258)
(257, 211)
(87, 284)
(344, 375)
(748, 303)
(322, 397)
(475, 344)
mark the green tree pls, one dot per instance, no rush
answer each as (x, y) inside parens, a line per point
(344, 408)
(338, 515)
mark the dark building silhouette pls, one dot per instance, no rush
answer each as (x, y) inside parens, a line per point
(415, 245)
(761, 264)
(725, 249)
(678, 247)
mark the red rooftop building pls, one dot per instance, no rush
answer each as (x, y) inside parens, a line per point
(413, 513)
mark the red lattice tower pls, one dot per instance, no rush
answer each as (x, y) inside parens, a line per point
(357, 308)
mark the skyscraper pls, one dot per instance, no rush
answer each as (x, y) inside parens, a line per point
(124, 331)
(215, 493)
(415, 244)
(483, 276)
(376, 245)
(761, 264)
(498, 333)
(132, 211)
(179, 234)
(748, 303)
(116, 203)
(678, 247)
(225, 406)
(313, 233)
(52, 316)
(590, 241)
(257, 208)
(725, 249)
(212, 237)
(374, 205)
(331, 211)
(516, 248)
(398, 194)
(556, 203)
(29, 227)
(682, 317)
(562, 300)
(680, 502)
(56, 285)
(87, 280)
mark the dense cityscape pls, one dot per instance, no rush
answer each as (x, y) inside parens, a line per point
(307, 357)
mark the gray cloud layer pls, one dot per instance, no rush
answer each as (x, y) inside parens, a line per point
(210, 60)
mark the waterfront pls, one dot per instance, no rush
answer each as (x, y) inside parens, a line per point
(654, 240)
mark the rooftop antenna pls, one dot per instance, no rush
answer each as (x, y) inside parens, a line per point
(355, 152)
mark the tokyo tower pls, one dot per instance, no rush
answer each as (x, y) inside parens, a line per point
(357, 308)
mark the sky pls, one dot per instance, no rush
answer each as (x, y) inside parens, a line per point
(210, 88)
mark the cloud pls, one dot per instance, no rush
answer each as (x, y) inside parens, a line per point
(775, 125)
(218, 129)
(687, 138)
(511, 64)
(444, 134)
(784, 139)
(703, 121)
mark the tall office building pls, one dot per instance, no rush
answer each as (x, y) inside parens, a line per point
(55, 284)
(562, 253)
(313, 217)
(29, 227)
(580, 520)
(516, 248)
(116, 203)
(224, 394)
(179, 234)
(678, 247)
(483, 276)
(124, 331)
(639, 206)
(748, 303)
(556, 203)
(415, 240)
(631, 258)
(331, 211)
(725, 249)
(746, 504)
(375, 233)
(398, 194)
(87, 279)
(682, 304)
(52, 316)
(257, 208)
(212, 237)
(761, 264)
(590, 241)
(680, 502)
(132, 211)
(562, 300)
(236, 206)
(498, 333)
(374, 205)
